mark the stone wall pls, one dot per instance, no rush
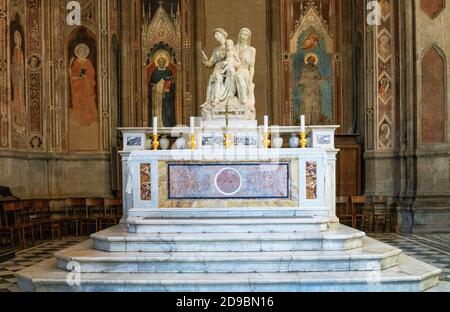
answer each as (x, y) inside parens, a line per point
(432, 207)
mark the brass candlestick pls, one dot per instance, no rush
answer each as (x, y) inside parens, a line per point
(227, 141)
(303, 140)
(193, 142)
(266, 140)
(155, 143)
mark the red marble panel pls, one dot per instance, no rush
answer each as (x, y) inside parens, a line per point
(433, 97)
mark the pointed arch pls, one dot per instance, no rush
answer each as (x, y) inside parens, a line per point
(433, 99)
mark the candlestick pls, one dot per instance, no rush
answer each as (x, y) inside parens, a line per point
(302, 123)
(266, 141)
(227, 141)
(193, 142)
(155, 143)
(155, 125)
(303, 140)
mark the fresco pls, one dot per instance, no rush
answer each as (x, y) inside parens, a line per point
(83, 103)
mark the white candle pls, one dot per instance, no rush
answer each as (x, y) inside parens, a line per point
(192, 125)
(302, 123)
(266, 124)
(155, 125)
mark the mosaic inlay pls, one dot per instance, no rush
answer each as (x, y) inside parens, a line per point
(218, 181)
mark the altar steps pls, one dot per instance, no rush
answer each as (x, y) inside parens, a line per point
(117, 239)
(228, 225)
(409, 275)
(373, 256)
(196, 213)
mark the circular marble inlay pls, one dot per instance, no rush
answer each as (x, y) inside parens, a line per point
(228, 181)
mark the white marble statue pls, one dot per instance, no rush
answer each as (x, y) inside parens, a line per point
(230, 87)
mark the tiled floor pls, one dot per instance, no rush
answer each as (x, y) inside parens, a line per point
(431, 248)
(29, 257)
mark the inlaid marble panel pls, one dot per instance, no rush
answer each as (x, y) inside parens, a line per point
(229, 181)
(205, 194)
(311, 180)
(146, 184)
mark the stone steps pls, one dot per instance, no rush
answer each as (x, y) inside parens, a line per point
(117, 239)
(410, 275)
(373, 256)
(228, 225)
(193, 213)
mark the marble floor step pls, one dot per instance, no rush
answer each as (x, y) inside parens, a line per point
(410, 275)
(373, 256)
(228, 225)
(119, 239)
(192, 213)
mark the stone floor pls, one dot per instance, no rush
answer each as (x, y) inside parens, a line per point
(430, 248)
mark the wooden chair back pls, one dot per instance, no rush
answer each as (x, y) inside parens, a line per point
(113, 207)
(94, 207)
(75, 207)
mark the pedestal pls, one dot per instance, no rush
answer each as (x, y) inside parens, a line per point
(244, 133)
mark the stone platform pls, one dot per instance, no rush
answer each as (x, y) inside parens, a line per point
(240, 253)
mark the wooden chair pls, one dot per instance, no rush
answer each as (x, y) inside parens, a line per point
(74, 207)
(45, 222)
(112, 213)
(8, 230)
(93, 212)
(17, 222)
(361, 212)
(343, 210)
(381, 212)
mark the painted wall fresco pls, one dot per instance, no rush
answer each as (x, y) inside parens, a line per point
(146, 182)
(161, 42)
(432, 7)
(83, 100)
(17, 81)
(308, 69)
(4, 100)
(222, 181)
(385, 77)
(433, 99)
(312, 94)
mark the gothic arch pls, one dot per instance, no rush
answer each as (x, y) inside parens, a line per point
(433, 96)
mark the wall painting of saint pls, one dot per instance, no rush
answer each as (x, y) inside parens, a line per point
(312, 71)
(18, 102)
(161, 86)
(83, 101)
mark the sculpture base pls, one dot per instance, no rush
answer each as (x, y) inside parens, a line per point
(244, 133)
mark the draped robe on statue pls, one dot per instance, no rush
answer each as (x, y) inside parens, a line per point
(161, 94)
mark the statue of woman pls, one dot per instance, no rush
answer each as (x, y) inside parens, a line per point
(217, 90)
(246, 71)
